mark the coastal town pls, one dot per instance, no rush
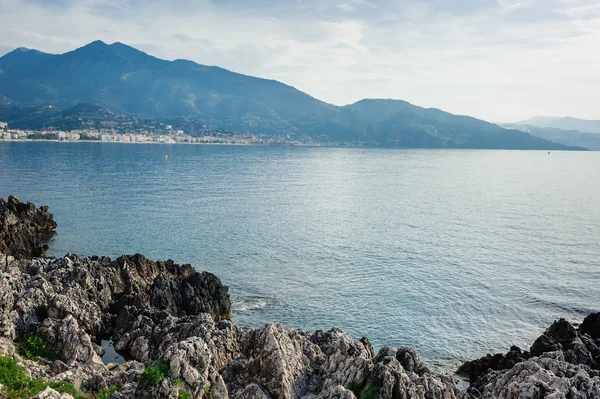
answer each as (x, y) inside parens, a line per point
(167, 135)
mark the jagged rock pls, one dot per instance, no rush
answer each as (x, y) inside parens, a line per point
(7, 347)
(563, 336)
(341, 393)
(273, 357)
(576, 346)
(395, 382)
(343, 361)
(475, 369)
(96, 292)
(548, 376)
(50, 393)
(23, 228)
(591, 325)
(71, 342)
(189, 362)
(252, 391)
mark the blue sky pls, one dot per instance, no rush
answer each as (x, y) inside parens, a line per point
(501, 60)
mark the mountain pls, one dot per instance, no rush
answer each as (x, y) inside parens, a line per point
(403, 124)
(23, 58)
(126, 81)
(566, 123)
(567, 137)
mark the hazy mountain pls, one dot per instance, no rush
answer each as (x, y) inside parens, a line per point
(127, 81)
(566, 123)
(401, 123)
(567, 137)
(23, 58)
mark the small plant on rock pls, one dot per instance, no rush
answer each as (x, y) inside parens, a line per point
(67, 387)
(16, 382)
(370, 392)
(154, 374)
(354, 386)
(34, 347)
(106, 393)
(184, 395)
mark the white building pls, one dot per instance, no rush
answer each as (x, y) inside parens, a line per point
(3, 125)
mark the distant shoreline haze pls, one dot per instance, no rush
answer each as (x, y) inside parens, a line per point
(119, 87)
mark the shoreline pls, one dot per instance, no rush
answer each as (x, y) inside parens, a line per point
(302, 145)
(173, 323)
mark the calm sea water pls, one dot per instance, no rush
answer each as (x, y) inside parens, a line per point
(456, 253)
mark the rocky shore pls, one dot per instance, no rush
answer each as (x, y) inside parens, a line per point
(172, 325)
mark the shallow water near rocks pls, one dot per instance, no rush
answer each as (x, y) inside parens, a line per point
(456, 253)
(110, 354)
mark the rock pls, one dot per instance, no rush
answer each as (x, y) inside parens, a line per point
(98, 292)
(7, 347)
(341, 393)
(50, 393)
(476, 369)
(24, 228)
(591, 326)
(252, 391)
(394, 382)
(71, 342)
(344, 361)
(577, 348)
(272, 357)
(548, 376)
(563, 362)
(189, 362)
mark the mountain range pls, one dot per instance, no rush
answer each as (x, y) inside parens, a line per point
(563, 123)
(126, 81)
(575, 138)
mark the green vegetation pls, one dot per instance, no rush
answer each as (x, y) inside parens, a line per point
(67, 387)
(16, 382)
(154, 374)
(19, 386)
(354, 386)
(63, 387)
(34, 347)
(185, 395)
(41, 136)
(106, 393)
(369, 392)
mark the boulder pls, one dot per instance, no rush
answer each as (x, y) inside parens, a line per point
(24, 228)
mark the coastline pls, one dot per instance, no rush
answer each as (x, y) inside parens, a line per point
(316, 145)
(170, 318)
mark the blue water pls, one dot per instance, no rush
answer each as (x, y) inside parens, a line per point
(454, 252)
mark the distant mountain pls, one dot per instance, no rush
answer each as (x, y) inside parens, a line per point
(23, 58)
(81, 116)
(567, 137)
(566, 123)
(126, 81)
(403, 124)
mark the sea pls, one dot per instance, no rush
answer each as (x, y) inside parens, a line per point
(456, 253)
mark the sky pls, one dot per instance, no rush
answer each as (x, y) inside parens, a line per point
(499, 60)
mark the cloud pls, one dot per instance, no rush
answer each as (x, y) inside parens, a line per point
(501, 60)
(346, 7)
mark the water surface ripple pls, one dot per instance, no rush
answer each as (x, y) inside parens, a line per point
(456, 253)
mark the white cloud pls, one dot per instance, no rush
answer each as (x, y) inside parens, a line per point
(346, 7)
(502, 61)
